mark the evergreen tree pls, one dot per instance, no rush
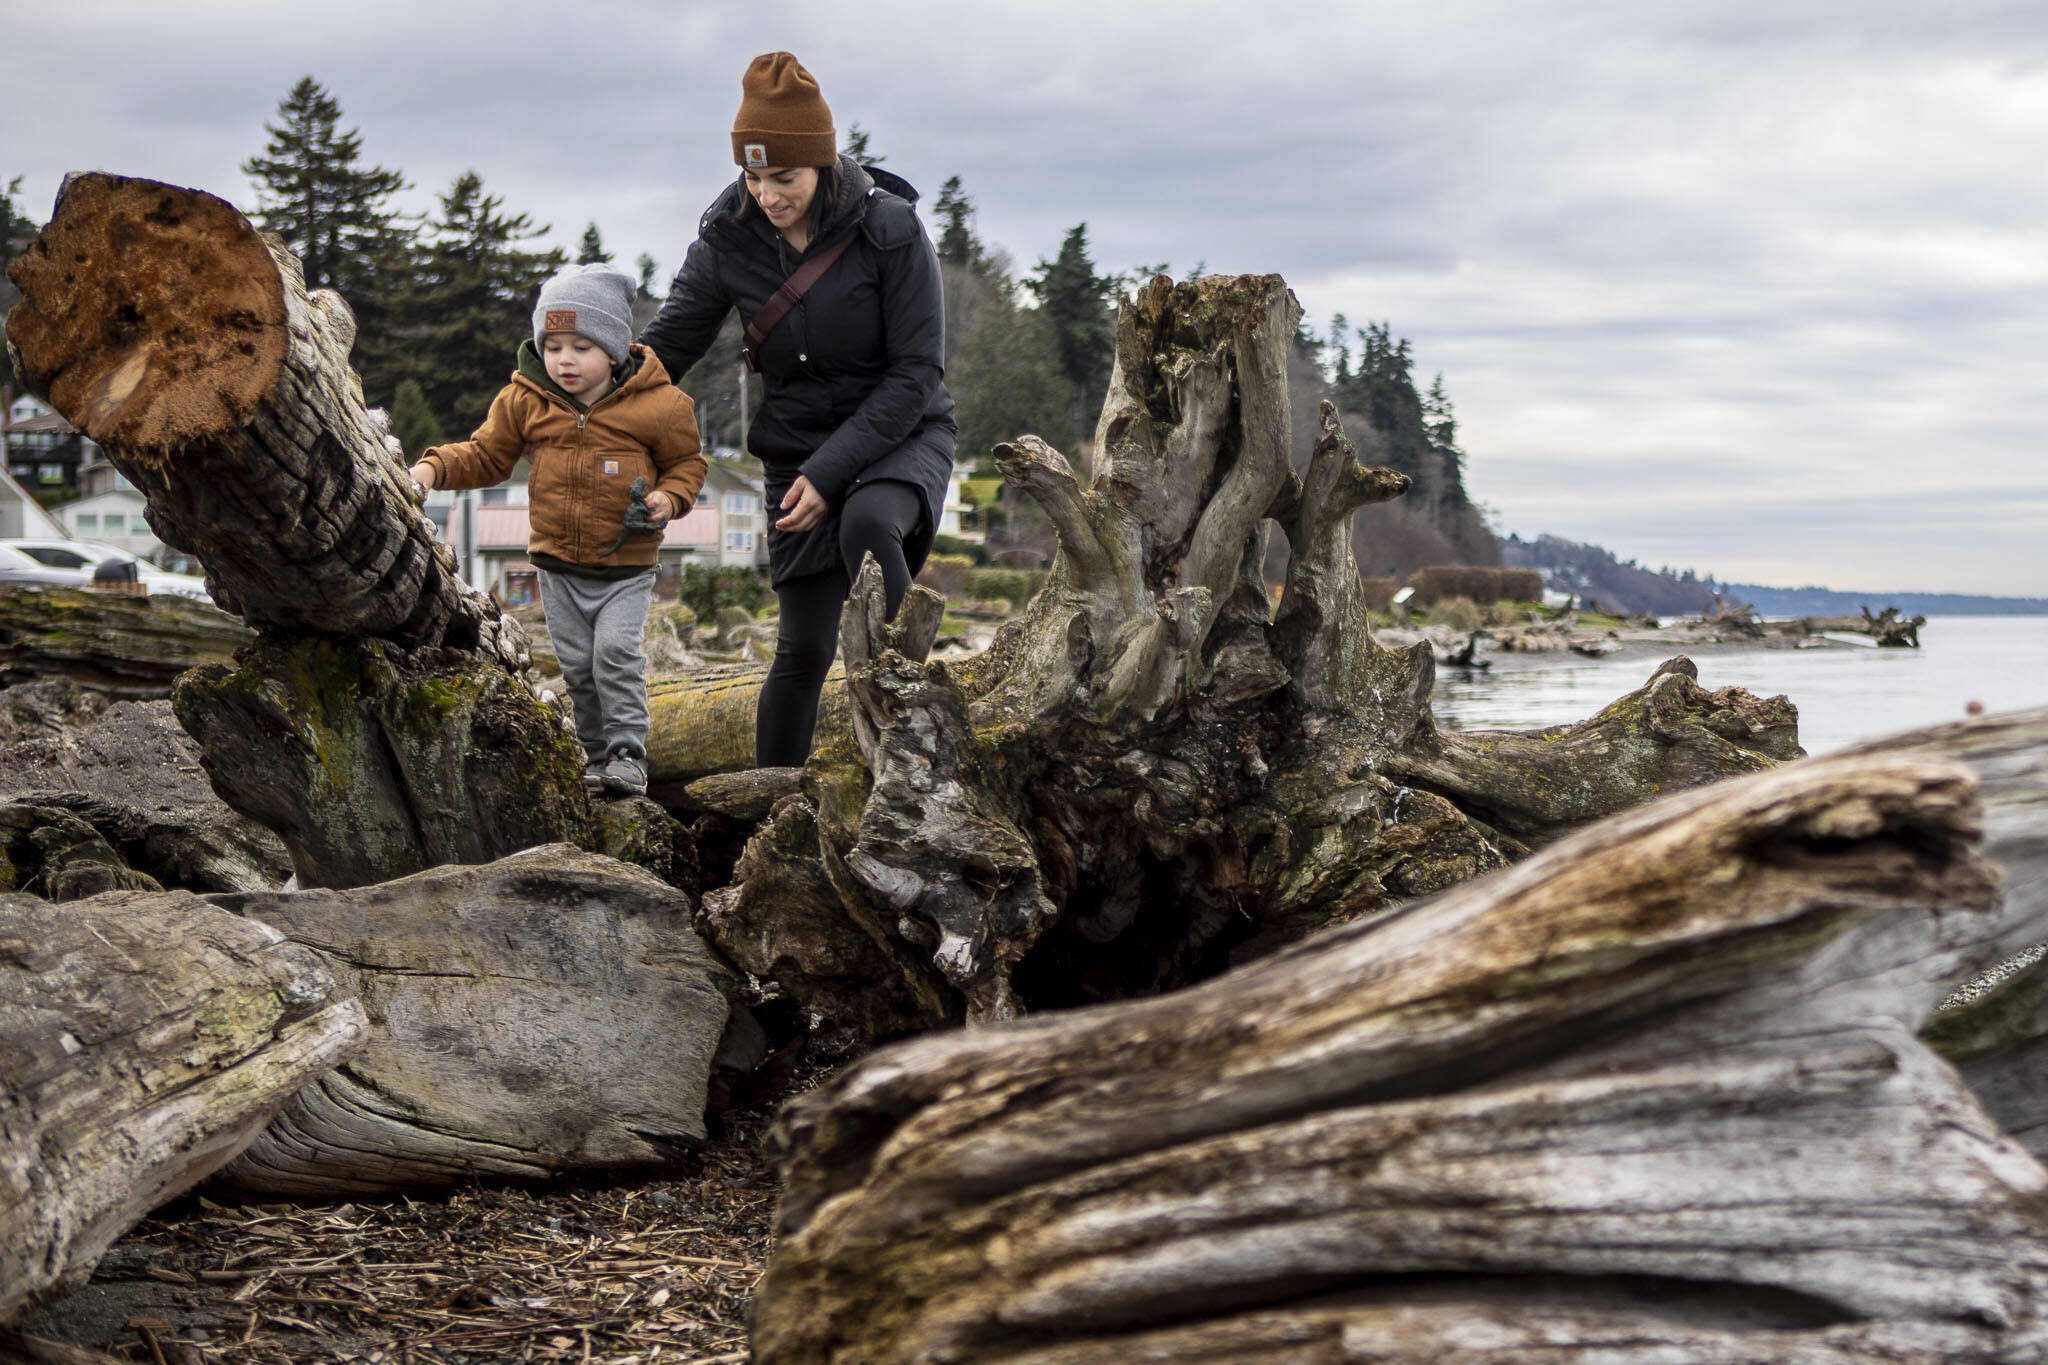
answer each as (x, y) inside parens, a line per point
(856, 147)
(958, 243)
(1076, 302)
(591, 250)
(648, 270)
(335, 214)
(475, 300)
(16, 232)
(1008, 381)
(413, 421)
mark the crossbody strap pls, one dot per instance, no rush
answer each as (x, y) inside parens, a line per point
(785, 298)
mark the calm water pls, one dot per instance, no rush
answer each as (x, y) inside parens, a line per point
(1843, 695)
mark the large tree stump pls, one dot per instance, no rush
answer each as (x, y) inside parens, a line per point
(161, 323)
(1151, 773)
(551, 1012)
(1654, 1093)
(144, 1038)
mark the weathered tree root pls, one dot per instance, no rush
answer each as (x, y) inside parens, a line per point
(1655, 1090)
(1149, 774)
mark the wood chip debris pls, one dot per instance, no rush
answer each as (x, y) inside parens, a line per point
(654, 1273)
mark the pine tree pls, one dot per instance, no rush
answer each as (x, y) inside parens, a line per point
(857, 139)
(475, 300)
(648, 271)
(1076, 301)
(957, 240)
(335, 215)
(591, 250)
(413, 421)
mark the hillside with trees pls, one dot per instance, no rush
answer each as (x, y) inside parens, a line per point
(1594, 574)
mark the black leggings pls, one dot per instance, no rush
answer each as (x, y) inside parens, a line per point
(876, 519)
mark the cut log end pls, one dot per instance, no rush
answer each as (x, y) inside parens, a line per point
(177, 344)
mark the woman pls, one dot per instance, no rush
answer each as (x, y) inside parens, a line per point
(856, 428)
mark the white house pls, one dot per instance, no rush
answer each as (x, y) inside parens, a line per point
(21, 515)
(110, 511)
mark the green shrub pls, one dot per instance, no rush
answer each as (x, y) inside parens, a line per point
(1460, 613)
(1018, 585)
(954, 545)
(704, 588)
(946, 574)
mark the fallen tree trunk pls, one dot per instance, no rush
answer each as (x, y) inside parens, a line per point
(134, 776)
(123, 646)
(144, 1038)
(1654, 1092)
(551, 1012)
(703, 725)
(165, 327)
(1151, 773)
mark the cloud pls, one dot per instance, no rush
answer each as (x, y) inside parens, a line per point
(1724, 285)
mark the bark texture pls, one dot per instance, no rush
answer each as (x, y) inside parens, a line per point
(1653, 1094)
(553, 1011)
(1152, 773)
(372, 761)
(144, 1038)
(385, 723)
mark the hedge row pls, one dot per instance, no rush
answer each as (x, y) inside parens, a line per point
(1441, 582)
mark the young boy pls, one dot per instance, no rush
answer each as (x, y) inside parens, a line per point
(594, 412)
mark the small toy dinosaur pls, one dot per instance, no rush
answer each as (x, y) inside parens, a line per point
(638, 521)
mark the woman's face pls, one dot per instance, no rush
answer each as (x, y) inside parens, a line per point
(784, 192)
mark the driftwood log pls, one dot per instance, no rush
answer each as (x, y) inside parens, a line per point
(387, 695)
(1151, 773)
(1653, 1094)
(130, 773)
(551, 1012)
(117, 644)
(144, 1039)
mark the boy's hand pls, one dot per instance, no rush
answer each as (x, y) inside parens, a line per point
(805, 505)
(422, 481)
(661, 507)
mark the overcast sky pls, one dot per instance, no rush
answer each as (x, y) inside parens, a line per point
(1757, 288)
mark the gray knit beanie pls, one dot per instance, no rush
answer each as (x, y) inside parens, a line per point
(593, 299)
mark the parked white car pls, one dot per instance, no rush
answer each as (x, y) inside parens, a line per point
(72, 563)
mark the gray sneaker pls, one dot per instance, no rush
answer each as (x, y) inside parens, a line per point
(593, 776)
(624, 775)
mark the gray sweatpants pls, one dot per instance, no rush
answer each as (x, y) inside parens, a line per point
(597, 628)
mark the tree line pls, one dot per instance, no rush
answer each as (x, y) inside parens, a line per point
(441, 297)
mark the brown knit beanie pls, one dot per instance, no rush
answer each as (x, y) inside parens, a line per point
(783, 120)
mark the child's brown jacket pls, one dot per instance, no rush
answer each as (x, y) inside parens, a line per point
(584, 461)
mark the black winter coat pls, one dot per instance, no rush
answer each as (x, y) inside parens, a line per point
(852, 376)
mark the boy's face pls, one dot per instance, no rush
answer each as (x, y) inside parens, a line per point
(575, 362)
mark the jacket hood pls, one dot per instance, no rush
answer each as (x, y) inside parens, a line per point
(639, 370)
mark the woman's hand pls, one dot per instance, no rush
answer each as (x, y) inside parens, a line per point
(804, 504)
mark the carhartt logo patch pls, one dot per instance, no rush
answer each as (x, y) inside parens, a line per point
(560, 320)
(611, 466)
(756, 154)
